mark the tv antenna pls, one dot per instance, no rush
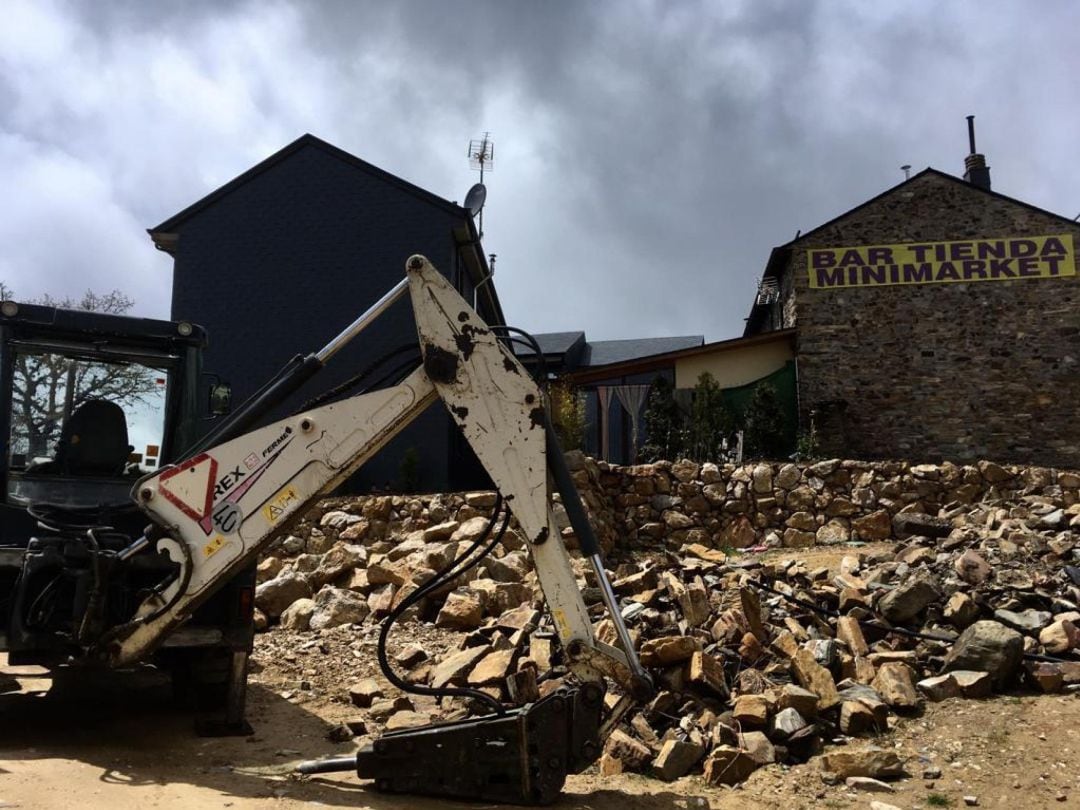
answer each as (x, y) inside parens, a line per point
(481, 158)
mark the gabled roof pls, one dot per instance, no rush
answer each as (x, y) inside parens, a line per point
(945, 176)
(778, 257)
(551, 343)
(306, 141)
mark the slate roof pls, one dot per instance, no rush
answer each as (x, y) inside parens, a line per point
(569, 351)
(605, 352)
(551, 343)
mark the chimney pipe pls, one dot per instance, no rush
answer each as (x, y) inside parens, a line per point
(976, 171)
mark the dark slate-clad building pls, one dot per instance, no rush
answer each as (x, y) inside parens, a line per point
(938, 320)
(279, 260)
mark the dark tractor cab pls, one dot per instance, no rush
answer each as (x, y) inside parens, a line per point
(89, 403)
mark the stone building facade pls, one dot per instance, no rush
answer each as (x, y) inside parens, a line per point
(973, 366)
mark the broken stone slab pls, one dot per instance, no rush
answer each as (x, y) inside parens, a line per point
(909, 657)
(1046, 675)
(869, 698)
(462, 610)
(363, 693)
(856, 718)
(939, 688)
(874, 762)
(692, 598)
(758, 746)
(910, 598)
(337, 561)
(275, 595)
(668, 650)
(751, 711)
(493, 668)
(801, 700)
(1060, 637)
(814, 677)
(337, 606)
(972, 568)
(297, 616)
(454, 668)
(407, 719)
(703, 552)
(1028, 621)
(382, 709)
(676, 758)
(850, 634)
(632, 753)
(973, 684)
(707, 671)
(786, 723)
(728, 765)
(868, 785)
(610, 766)
(987, 646)
(522, 686)
(519, 618)
(895, 685)
(960, 611)
(410, 655)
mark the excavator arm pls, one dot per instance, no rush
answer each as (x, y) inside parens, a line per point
(215, 512)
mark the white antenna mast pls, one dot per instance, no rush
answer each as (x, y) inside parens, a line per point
(482, 158)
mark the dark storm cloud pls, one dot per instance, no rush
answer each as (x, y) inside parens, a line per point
(648, 154)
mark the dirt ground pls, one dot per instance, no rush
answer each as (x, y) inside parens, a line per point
(119, 742)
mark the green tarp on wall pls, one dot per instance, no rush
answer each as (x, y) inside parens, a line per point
(784, 382)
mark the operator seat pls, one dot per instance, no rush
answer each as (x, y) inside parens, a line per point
(94, 440)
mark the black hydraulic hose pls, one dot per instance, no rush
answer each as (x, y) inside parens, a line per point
(356, 379)
(286, 382)
(327, 765)
(442, 577)
(457, 567)
(186, 569)
(398, 373)
(571, 498)
(903, 631)
(530, 341)
(94, 601)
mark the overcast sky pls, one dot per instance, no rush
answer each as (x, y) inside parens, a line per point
(648, 154)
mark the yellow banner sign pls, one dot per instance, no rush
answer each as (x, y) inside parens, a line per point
(1002, 259)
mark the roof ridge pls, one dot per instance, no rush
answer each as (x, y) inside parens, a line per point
(305, 140)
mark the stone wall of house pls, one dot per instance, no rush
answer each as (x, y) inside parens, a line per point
(958, 371)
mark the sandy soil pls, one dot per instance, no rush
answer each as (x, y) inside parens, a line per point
(121, 744)
(118, 741)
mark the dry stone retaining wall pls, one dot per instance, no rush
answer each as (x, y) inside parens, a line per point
(777, 504)
(796, 505)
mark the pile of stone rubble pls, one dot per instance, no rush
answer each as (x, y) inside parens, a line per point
(757, 658)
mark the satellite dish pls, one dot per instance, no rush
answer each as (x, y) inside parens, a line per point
(474, 200)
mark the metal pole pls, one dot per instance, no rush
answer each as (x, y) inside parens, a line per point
(364, 321)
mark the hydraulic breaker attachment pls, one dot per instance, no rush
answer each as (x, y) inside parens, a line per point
(521, 757)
